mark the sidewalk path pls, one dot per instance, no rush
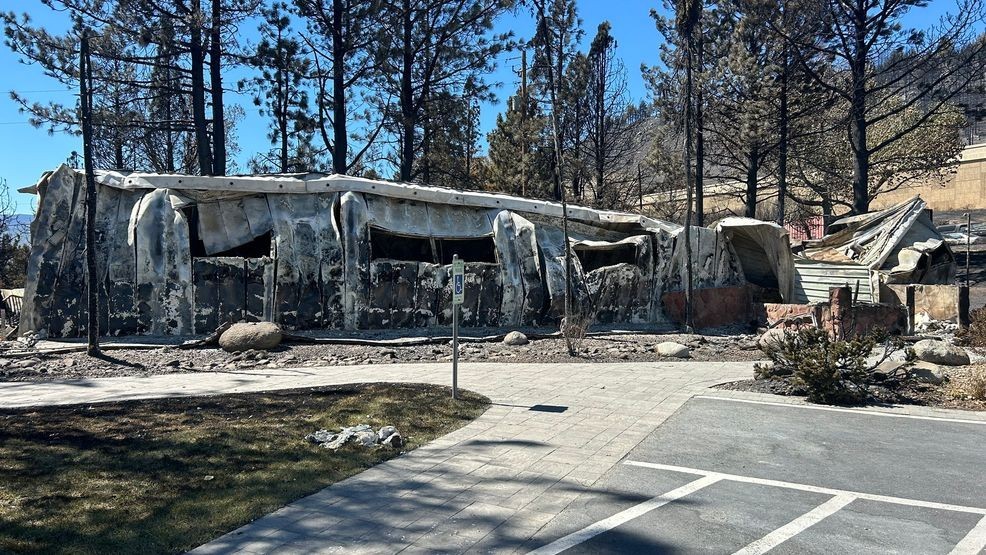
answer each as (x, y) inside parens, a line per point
(486, 487)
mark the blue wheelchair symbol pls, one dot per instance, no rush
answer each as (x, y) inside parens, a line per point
(457, 285)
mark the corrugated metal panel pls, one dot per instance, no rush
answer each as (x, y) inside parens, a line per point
(812, 280)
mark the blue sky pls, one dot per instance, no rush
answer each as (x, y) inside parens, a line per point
(25, 151)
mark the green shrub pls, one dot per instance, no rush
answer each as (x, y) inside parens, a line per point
(831, 371)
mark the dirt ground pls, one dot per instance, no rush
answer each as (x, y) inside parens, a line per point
(629, 347)
(954, 393)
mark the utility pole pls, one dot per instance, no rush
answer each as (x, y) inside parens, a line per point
(85, 101)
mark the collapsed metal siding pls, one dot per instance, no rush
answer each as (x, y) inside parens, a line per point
(812, 281)
(319, 272)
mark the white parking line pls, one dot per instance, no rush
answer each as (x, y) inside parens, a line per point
(863, 412)
(796, 526)
(593, 530)
(814, 489)
(974, 542)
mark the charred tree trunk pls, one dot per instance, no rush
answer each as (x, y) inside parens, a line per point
(857, 112)
(118, 154)
(201, 124)
(340, 137)
(782, 145)
(424, 168)
(600, 140)
(559, 66)
(553, 87)
(282, 105)
(407, 95)
(700, 141)
(688, 186)
(752, 176)
(216, 82)
(85, 98)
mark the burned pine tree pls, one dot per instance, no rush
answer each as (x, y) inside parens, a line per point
(280, 91)
(342, 38)
(426, 47)
(145, 54)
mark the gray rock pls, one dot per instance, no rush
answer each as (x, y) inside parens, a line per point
(928, 373)
(394, 441)
(365, 438)
(515, 338)
(321, 436)
(692, 338)
(29, 339)
(338, 441)
(244, 336)
(386, 432)
(887, 369)
(672, 349)
(356, 434)
(940, 352)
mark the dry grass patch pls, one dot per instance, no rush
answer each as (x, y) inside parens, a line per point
(163, 476)
(969, 385)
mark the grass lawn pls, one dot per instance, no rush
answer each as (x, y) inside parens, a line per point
(167, 475)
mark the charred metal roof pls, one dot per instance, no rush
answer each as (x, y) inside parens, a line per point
(227, 187)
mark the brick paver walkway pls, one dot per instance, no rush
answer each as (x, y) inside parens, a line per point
(486, 487)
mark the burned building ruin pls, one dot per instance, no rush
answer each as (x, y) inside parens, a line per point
(180, 255)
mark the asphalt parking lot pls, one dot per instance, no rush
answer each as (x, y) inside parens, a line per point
(723, 476)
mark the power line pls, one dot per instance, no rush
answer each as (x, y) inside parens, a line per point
(44, 91)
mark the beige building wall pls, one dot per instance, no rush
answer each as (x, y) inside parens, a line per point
(964, 190)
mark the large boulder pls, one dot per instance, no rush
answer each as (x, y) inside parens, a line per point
(940, 352)
(928, 373)
(887, 369)
(365, 438)
(250, 335)
(394, 441)
(386, 432)
(515, 338)
(772, 338)
(672, 349)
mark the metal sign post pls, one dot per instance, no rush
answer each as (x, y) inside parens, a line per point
(458, 294)
(968, 243)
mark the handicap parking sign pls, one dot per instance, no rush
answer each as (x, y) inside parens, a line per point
(458, 281)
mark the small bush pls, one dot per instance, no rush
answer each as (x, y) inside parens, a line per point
(575, 329)
(975, 334)
(831, 371)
